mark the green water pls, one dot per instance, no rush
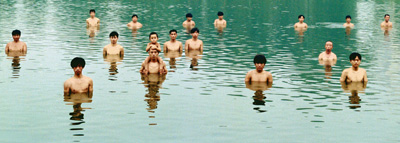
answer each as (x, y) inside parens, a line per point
(209, 102)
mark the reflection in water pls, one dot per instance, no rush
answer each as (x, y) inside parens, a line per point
(348, 31)
(328, 67)
(153, 82)
(386, 32)
(172, 55)
(300, 33)
(113, 60)
(220, 28)
(194, 55)
(92, 32)
(354, 88)
(259, 88)
(16, 57)
(76, 100)
(134, 32)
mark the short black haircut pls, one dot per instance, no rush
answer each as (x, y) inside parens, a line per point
(220, 13)
(259, 58)
(134, 15)
(92, 10)
(189, 15)
(114, 33)
(348, 16)
(173, 30)
(301, 16)
(354, 55)
(152, 34)
(78, 61)
(194, 30)
(387, 15)
(15, 32)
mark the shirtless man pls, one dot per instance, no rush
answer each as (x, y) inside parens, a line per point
(173, 44)
(16, 45)
(328, 54)
(354, 74)
(387, 23)
(194, 43)
(154, 65)
(188, 23)
(348, 23)
(78, 83)
(113, 48)
(220, 22)
(301, 23)
(259, 75)
(92, 21)
(134, 24)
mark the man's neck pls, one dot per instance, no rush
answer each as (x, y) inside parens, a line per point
(173, 40)
(154, 59)
(348, 22)
(78, 76)
(113, 44)
(354, 68)
(194, 39)
(92, 17)
(386, 21)
(16, 41)
(134, 21)
(328, 52)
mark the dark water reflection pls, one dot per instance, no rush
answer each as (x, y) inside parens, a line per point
(153, 84)
(16, 59)
(354, 89)
(113, 61)
(77, 116)
(259, 96)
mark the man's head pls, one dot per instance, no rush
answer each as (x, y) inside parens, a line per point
(78, 64)
(153, 37)
(16, 34)
(355, 59)
(173, 34)
(92, 12)
(348, 18)
(259, 61)
(153, 52)
(387, 17)
(195, 32)
(114, 37)
(134, 18)
(301, 18)
(189, 16)
(220, 15)
(328, 46)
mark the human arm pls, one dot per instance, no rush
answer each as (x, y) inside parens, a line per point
(186, 45)
(90, 86)
(67, 88)
(248, 77)
(365, 79)
(180, 47)
(201, 47)
(105, 50)
(269, 78)
(122, 52)
(165, 48)
(343, 77)
(24, 48)
(7, 49)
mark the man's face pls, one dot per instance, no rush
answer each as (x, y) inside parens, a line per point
(113, 39)
(301, 19)
(173, 35)
(153, 38)
(153, 53)
(356, 62)
(189, 18)
(195, 34)
(259, 66)
(78, 70)
(221, 17)
(387, 18)
(328, 46)
(348, 20)
(92, 14)
(16, 37)
(134, 19)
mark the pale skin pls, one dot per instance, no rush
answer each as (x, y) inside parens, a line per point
(154, 65)
(386, 23)
(259, 75)
(113, 48)
(92, 21)
(194, 43)
(153, 42)
(188, 22)
(220, 22)
(354, 74)
(300, 24)
(348, 23)
(173, 44)
(16, 45)
(134, 24)
(328, 54)
(78, 83)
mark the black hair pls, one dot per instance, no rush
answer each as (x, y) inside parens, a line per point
(354, 55)
(134, 16)
(387, 15)
(194, 30)
(78, 61)
(189, 15)
(301, 16)
(220, 13)
(16, 32)
(173, 30)
(348, 16)
(114, 33)
(92, 10)
(259, 58)
(152, 34)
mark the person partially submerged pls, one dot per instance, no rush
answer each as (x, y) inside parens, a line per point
(354, 73)
(152, 64)
(78, 83)
(259, 75)
(16, 45)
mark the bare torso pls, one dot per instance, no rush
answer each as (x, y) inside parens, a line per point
(16, 46)
(173, 46)
(78, 85)
(255, 76)
(194, 44)
(113, 50)
(93, 22)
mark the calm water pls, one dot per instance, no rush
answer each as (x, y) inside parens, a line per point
(203, 98)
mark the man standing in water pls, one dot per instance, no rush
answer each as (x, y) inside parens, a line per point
(259, 75)
(354, 74)
(173, 44)
(348, 23)
(78, 83)
(154, 65)
(194, 43)
(92, 21)
(188, 23)
(328, 54)
(386, 23)
(301, 24)
(134, 24)
(16, 45)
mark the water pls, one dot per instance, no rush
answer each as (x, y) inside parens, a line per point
(203, 98)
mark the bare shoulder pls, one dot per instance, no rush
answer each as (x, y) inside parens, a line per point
(97, 19)
(68, 82)
(166, 43)
(250, 72)
(362, 69)
(88, 79)
(119, 46)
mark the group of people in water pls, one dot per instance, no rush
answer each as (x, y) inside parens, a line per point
(154, 64)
